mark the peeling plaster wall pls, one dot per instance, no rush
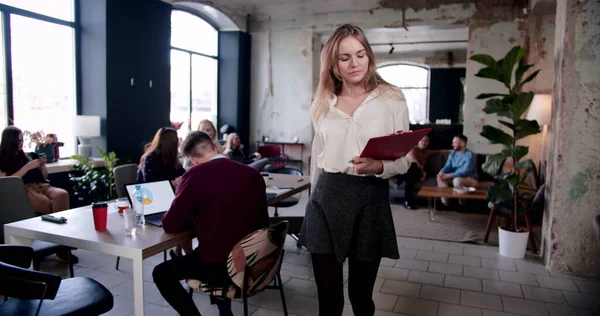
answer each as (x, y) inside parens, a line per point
(431, 59)
(540, 31)
(282, 88)
(574, 180)
(496, 40)
(279, 58)
(285, 64)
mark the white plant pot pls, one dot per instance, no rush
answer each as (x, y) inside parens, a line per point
(512, 245)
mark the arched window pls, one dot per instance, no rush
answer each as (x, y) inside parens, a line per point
(194, 70)
(413, 80)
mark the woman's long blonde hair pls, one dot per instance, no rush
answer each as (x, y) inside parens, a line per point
(329, 80)
(229, 143)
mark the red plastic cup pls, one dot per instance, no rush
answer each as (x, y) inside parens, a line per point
(100, 212)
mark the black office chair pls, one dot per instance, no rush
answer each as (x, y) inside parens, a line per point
(17, 207)
(295, 222)
(28, 292)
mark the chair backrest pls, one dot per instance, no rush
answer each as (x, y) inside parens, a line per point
(25, 284)
(255, 260)
(252, 263)
(15, 204)
(124, 174)
(268, 151)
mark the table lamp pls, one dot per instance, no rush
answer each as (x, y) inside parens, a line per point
(540, 110)
(84, 128)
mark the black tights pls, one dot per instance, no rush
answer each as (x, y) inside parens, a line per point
(330, 285)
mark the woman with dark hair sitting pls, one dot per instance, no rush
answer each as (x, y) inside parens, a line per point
(161, 162)
(43, 197)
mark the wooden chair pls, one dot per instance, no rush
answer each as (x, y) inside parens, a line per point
(531, 207)
(252, 264)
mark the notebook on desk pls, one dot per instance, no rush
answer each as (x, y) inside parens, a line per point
(157, 197)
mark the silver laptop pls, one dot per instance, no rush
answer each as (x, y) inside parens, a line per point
(157, 197)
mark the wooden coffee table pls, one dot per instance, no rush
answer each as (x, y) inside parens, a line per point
(432, 193)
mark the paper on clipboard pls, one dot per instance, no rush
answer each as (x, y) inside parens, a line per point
(392, 147)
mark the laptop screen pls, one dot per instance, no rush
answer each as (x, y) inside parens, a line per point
(157, 196)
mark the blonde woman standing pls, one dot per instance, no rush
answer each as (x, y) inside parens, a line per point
(348, 214)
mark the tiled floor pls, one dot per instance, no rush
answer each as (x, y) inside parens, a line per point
(431, 278)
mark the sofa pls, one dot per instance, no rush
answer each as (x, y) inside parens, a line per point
(434, 164)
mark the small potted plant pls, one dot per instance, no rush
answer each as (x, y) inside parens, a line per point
(95, 184)
(508, 192)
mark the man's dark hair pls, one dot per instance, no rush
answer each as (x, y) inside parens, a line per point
(197, 143)
(462, 137)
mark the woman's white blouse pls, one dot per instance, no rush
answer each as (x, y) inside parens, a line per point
(339, 136)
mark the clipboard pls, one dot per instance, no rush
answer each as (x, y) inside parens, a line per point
(394, 146)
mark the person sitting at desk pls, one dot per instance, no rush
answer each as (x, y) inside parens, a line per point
(206, 208)
(43, 197)
(233, 149)
(160, 161)
(460, 169)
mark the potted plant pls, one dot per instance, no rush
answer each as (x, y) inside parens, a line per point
(508, 191)
(95, 184)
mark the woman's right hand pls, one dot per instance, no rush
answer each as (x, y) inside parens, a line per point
(35, 163)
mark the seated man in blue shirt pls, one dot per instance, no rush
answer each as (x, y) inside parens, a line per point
(460, 169)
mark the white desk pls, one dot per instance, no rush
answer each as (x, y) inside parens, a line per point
(79, 232)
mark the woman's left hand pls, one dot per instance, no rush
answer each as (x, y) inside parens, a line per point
(367, 165)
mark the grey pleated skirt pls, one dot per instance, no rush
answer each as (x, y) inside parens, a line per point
(350, 216)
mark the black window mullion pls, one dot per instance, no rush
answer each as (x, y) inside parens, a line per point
(8, 79)
(34, 15)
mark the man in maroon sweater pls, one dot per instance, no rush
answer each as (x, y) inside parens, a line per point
(221, 201)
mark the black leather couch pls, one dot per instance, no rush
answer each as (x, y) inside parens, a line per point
(433, 166)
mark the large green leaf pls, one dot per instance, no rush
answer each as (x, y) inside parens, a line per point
(497, 106)
(496, 135)
(500, 194)
(507, 124)
(517, 151)
(520, 105)
(490, 95)
(484, 59)
(520, 72)
(525, 128)
(508, 64)
(511, 178)
(493, 164)
(525, 164)
(529, 78)
(490, 73)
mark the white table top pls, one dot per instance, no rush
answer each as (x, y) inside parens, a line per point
(79, 230)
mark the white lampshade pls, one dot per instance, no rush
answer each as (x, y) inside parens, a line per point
(86, 126)
(540, 109)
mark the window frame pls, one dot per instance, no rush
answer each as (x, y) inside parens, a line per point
(428, 87)
(191, 53)
(6, 11)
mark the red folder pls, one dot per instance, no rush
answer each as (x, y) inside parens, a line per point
(393, 146)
